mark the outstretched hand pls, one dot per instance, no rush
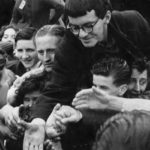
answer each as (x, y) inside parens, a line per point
(34, 134)
(92, 98)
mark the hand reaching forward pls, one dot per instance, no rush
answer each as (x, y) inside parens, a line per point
(92, 98)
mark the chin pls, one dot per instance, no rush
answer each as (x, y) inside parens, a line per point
(89, 44)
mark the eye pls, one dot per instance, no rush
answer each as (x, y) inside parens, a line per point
(20, 50)
(143, 81)
(50, 50)
(41, 52)
(102, 87)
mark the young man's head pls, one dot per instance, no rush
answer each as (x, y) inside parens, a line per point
(139, 77)
(25, 48)
(46, 41)
(111, 74)
(124, 131)
(88, 20)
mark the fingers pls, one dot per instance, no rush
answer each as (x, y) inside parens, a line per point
(79, 102)
(82, 106)
(24, 124)
(84, 92)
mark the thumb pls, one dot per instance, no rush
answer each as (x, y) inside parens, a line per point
(57, 107)
(24, 124)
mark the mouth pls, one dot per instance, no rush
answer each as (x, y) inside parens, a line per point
(49, 65)
(27, 61)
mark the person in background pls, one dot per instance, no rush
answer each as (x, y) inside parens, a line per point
(138, 86)
(7, 77)
(124, 131)
(25, 51)
(8, 33)
(36, 13)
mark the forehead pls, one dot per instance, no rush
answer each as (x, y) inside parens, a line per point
(100, 80)
(25, 44)
(89, 17)
(136, 74)
(10, 31)
(46, 42)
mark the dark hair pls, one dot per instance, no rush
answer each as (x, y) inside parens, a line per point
(25, 34)
(125, 131)
(31, 84)
(77, 8)
(4, 28)
(140, 65)
(116, 66)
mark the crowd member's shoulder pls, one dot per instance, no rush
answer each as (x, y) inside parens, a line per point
(130, 18)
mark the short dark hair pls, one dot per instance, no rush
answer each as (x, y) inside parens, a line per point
(140, 65)
(31, 84)
(125, 131)
(77, 8)
(113, 65)
(25, 34)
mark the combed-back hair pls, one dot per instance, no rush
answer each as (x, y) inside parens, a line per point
(56, 30)
(125, 131)
(52, 30)
(25, 34)
(78, 8)
(115, 66)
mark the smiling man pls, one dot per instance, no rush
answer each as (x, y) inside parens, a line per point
(25, 51)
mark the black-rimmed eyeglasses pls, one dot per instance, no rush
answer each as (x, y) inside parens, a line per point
(75, 29)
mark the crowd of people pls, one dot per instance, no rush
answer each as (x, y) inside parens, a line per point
(74, 75)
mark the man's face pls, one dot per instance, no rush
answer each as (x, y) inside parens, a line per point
(31, 98)
(45, 47)
(106, 84)
(99, 28)
(138, 82)
(9, 35)
(25, 51)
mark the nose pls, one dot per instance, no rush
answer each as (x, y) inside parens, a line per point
(137, 87)
(25, 55)
(47, 57)
(82, 33)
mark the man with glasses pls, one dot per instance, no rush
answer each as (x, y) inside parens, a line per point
(95, 30)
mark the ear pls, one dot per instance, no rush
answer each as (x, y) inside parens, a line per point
(107, 17)
(122, 89)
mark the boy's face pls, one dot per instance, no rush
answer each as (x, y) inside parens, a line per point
(138, 82)
(106, 83)
(45, 47)
(25, 51)
(91, 29)
(31, 98)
